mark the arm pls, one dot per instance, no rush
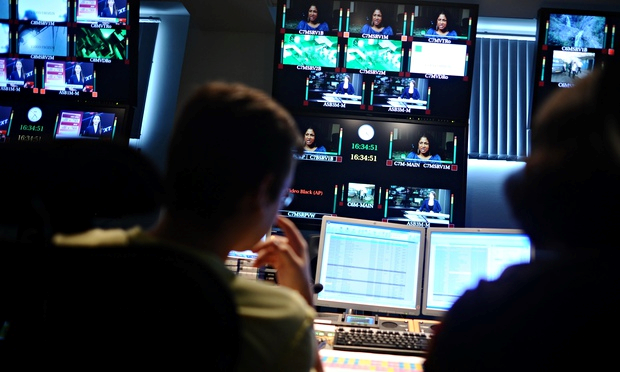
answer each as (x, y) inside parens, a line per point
(437, 207)
(416, 93)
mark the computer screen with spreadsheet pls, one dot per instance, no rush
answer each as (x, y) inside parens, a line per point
(370, 265)
(457, 259)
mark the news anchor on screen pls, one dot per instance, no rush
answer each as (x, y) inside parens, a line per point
(76, 78)
(430, 204)
(345, 86)
(110, 10)
(410, 92)
(94, 128)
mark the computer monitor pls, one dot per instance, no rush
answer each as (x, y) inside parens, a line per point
(370, 266)
(457, 259)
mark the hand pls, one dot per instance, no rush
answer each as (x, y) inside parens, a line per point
(288, 254)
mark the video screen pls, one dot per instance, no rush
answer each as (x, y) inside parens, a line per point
(575, 30)
(570, 44)
(438, 59)
(81, 124)
(6, 113)
(419, 206)
(309, 50)
(452, 23)
(334, 89)
(400, 94)
(17, 73)
(43, 11)
(373, 19)
(5, 40)
(318, 17)
(374, 54)
(101, 11)
(5, 12)
(414, 147)
(349, 166)
(42, 40)
(103, 43)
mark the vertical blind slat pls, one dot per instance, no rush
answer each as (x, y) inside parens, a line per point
(501, 99)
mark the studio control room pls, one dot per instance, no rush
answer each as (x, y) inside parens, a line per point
(434, 201)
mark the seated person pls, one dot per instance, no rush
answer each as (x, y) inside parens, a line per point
(411, 92)
(345, 87)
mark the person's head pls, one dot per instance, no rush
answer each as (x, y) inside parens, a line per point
(97, 122)
(77, 69)
(574, 166)
(346, 78)
(216, 172)
(411, 84)
(442, 21)
(377, 17)
(18, 65)
(431, 195)
(111, 3)
(309, 137)
(424, 145)
(313, 13)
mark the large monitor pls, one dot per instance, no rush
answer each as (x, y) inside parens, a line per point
(457, 259)
(388, 55)
(58, 53)
(570, 44)
(370, 266)
(381, 170)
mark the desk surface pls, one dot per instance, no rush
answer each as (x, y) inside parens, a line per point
(342, 361)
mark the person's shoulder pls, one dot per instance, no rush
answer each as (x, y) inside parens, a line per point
(388, 30)
(259, 298)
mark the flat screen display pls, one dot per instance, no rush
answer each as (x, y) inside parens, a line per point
(381, 47)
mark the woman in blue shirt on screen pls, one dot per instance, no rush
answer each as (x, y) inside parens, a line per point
(376, 27)
(441, 27)
(411, 92)
(312, 22)
(310, 141)
(345, 86)
(430, 204)
(424, 151)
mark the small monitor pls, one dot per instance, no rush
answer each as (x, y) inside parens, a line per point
(457, 259)
(370, 266)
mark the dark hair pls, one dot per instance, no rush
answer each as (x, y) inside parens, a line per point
(214, 159)
(547, 196)
(448, 18)
(430, 143)
(317, 135)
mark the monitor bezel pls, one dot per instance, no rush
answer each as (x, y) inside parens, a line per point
(437, 313)
(378, 308)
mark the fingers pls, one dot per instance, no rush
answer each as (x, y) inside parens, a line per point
(295, 238)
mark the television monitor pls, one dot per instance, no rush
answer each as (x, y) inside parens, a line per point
(380, 64)
(49, 121)
(371, 266)
(56, 36)
(5, 10)
(570, 44)
(85, 124)
(6, 115)
(457, 259)
(370, 169)
(99, 11)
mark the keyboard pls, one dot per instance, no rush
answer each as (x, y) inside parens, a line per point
(381, 341)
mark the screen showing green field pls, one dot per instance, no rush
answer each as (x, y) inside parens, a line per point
(374, 54)
(310, 50)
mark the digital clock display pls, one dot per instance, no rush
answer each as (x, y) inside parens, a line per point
(364, 146)
(364, 157)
